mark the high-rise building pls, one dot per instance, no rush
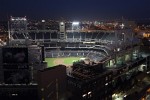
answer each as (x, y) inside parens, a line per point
(52, 83)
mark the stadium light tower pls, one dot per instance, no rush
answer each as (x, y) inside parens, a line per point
(75, 25)
(18, 25)
(62, 31)
(43, 24)
(62, 23)
(43, 21)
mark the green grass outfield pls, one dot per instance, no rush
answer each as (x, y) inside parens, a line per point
(66, 60)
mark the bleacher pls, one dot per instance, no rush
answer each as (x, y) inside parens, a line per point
(90, 36)
(70, 36)
(50, 39)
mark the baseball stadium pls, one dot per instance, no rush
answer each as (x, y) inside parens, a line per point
(73, 45)
(92, 60)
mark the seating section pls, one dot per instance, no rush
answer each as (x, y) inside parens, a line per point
(70, 36)
(102, 37)
(93, 55)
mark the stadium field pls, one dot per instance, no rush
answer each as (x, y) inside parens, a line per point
(64, 61)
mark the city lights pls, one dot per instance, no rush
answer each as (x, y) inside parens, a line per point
(122, 26)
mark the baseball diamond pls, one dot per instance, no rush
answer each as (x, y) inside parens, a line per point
(64, 61)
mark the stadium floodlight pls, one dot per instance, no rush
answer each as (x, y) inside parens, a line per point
(61, 23)
(75, 23)
(43, 21)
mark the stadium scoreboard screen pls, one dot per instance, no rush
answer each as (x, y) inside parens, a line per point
(15, 55)
(15, 65)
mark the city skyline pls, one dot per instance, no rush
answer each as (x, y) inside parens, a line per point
(76, 9)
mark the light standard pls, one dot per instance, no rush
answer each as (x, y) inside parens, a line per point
(75, 25)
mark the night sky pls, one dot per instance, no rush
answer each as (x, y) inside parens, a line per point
(75, 9)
